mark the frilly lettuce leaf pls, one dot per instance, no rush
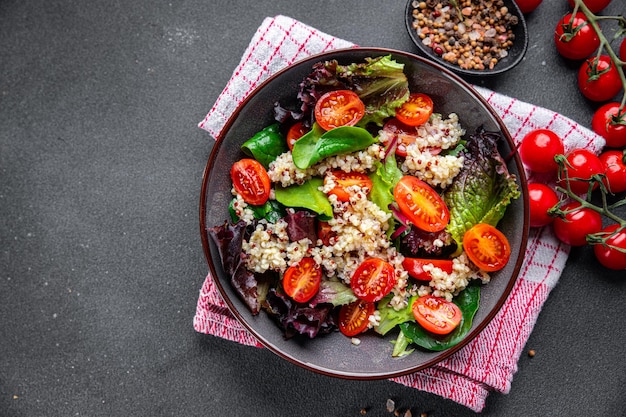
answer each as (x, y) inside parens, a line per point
(483, 189)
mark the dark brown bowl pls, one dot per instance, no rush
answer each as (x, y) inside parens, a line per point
(515, 56)
(334, 354)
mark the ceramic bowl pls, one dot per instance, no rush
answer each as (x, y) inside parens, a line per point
(334, 354)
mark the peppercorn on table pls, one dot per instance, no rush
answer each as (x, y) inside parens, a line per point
(101, 164)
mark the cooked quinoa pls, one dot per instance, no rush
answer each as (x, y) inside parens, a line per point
(361, 227)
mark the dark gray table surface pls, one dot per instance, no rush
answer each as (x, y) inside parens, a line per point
(101, 263)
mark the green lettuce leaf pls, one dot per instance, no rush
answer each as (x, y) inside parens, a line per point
(306, 196)
(483, 189)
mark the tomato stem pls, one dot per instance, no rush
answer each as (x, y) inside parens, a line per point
(605, 45)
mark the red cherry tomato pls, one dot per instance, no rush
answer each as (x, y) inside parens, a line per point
(594, 5)
(538, 149)
(487, 247)
(577, 224)
(354, 317)
(302, 280)
(415, 267)
(436, 314)
(251, 181)
(345, 180)
(373, 279)
(598, 79)
(295, 132)
(622, 50)
(527, 6)
(421, 204)
(416, 110)
(615, 170)
(613, 254)
(541, 198)
(339, 108)
(581, 165)
(574, 37)
(610, 123)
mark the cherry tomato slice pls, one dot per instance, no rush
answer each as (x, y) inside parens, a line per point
(421, 204)
(354, 317)
(373, 279)
(302, 280)
(486, 247)
(416, 110)
(415, 267)
(251, 181)
(345, 180)
(436, 314)
(610, 255)
(339, 108)
(295, 132)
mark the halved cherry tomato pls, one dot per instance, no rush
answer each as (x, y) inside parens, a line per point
(325, 233)
(295, 132)
(373, 279)
(487, 247)
(339, 108)
(416, 110)
(421, 204)
(345, 180)
(415, 267)
(353, 317)
(251, 181)
(302, 280)
(403, 135)
(436, 314)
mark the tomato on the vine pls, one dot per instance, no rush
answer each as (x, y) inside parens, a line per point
(609, 121)
(598, 79)
(345, 180)
(574, 37)
(487, 247)
(415, 267)
(614, 162)
(578, 222)
(373, 279)
(295, 132)
(594, 5)
(421, 204)
(622, 50)
(527, 6)
(339, 108)
(416, 110)
(354, 317)
(613, 254)
(302, 280)
(251, 181)
(581, 165)
(541, 198)
(538, 149)
(436, 314)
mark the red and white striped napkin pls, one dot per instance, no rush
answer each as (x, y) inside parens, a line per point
(488, 362)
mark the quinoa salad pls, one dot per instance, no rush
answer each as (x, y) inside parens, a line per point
(331, 208)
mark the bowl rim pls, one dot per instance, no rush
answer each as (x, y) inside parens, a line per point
(473, 73)
(441, 355)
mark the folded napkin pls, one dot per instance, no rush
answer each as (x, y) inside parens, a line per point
(489, 361)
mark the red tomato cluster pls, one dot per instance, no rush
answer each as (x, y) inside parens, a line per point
(538, 150)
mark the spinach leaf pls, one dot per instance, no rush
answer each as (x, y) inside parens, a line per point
(307, 195)
(318, 144)
(266, 145)
(468, 301)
